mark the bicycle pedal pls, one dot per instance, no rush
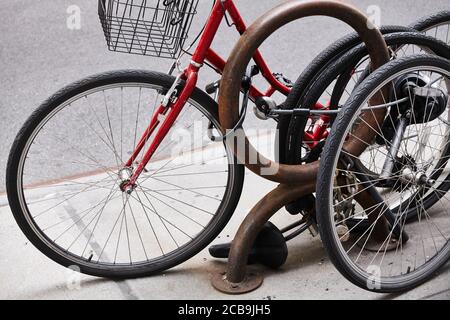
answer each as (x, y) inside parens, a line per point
(283, 80)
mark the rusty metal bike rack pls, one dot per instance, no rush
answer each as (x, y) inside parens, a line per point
(295, 181)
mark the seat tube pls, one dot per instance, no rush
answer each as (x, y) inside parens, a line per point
(211, 27)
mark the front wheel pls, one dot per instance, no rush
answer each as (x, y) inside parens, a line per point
(389, 255)
(66, 169)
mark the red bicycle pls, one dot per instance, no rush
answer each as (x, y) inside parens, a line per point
(94, 183)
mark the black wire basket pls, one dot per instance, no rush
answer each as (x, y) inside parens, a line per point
(157, 28)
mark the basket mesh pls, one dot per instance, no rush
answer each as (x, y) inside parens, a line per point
(156, 28)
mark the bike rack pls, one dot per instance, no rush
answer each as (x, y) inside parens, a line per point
(295, 181)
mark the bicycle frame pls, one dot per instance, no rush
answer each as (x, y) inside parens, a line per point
(166, 115)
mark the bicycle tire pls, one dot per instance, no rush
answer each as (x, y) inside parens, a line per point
(431, 21)
(340, 67)
(324, 59)
(325, 183)
(306, 79)
(38, 238)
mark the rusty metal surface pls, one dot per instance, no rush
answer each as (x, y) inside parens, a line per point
(254, 222)
(251, 282)
(296, 181)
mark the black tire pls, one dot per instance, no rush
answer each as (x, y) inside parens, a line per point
(341, 67)
(325, 181)
(429, 22)
(47, 247)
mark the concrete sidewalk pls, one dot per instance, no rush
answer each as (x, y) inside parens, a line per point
(27, 274)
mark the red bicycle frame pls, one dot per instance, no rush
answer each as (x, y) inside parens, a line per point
(165, 116)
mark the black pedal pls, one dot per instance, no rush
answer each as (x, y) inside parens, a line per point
(269, 249)
(284, 80)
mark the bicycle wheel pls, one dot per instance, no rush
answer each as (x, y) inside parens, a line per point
(403, 44)
(437, 25)
(307, 79)
(290, 130)
(389, 255)
(66, 168)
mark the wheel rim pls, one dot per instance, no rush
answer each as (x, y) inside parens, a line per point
(440, 31)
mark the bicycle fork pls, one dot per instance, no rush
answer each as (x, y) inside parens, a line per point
(164, 117)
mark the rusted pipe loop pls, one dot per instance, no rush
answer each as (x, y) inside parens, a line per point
(296, 180)
(253, 224)
(242, 53)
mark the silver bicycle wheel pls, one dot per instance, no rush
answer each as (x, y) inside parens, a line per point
(390, 255)
(67, 168)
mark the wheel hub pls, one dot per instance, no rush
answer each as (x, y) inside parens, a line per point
(418, 178)
(404, 167)
(125, 175)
